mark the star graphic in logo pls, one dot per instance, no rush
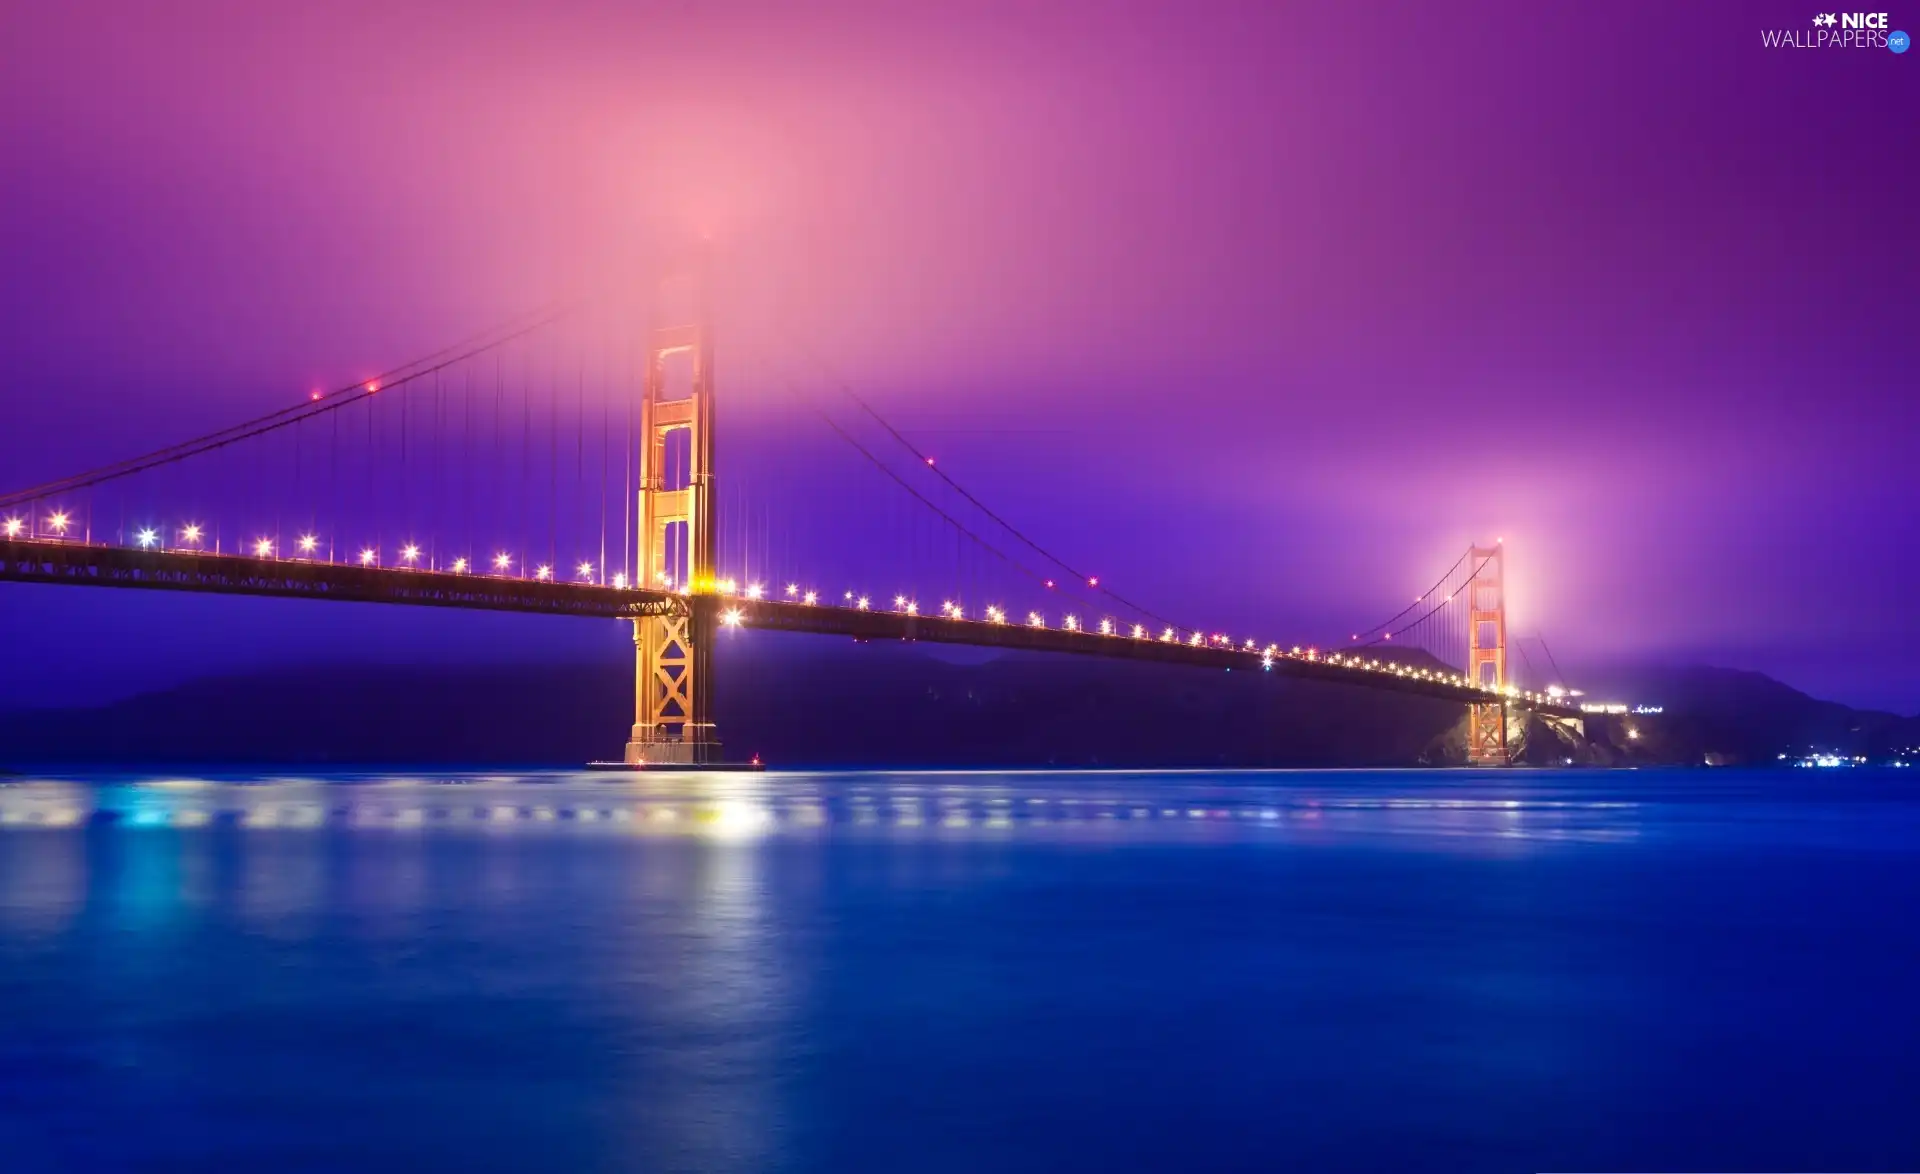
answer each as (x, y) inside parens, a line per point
(1825, 19)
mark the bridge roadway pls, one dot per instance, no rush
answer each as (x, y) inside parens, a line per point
(87, 564)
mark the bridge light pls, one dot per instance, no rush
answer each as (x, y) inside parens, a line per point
(460, 566)
(1106, 627)
(1094, 582)
(1139, 631)
(146, 538)
(811, 598)
(1034, 620)
(913, 609)
(1049, 583)
(620, 579)
(755, 590)
(313, 395)
(731, 617)
(307, 543)
(263, 547)
(13, 527)
(946, 607)
(368, 555)
(59, 521)
(1071, 623)
(899, 601)
(1194, 640)
(1167, 636)
(410, 552)
(373, 385)
(543, 572)
(929, 461)
(793, 589)
(995, 615)
(502, 561)
(585, 569)
(862, 603)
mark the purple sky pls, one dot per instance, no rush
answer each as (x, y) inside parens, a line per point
(1263, 310)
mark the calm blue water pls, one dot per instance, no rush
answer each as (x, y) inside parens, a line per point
(961, 972)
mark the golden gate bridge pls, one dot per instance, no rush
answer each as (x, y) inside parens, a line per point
(434, 439)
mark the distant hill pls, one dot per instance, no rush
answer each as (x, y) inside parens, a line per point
(1748, 717)
(856, 705)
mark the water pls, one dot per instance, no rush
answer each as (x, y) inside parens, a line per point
(932, 972)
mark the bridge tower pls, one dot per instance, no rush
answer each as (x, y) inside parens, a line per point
(1487, 656)
(673, 670)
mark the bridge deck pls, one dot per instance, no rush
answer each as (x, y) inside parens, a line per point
(82, 564)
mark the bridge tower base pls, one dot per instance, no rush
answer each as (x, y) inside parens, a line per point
(1487, 656)
(673, 654)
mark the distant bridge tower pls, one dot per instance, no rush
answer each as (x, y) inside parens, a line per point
(673, 678)
(1487, 656)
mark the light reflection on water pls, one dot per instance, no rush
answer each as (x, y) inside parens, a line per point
(737, 807)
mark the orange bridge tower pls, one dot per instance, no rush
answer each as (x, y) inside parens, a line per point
(1487, 656)
(673, 669)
